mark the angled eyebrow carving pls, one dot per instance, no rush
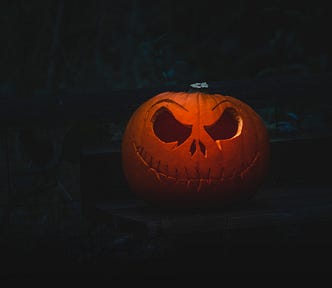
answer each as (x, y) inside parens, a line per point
(170, 101)
(215, 106)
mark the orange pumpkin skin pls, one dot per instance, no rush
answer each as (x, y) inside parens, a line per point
(192, 149)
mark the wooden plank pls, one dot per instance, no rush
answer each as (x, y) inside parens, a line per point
(270, 208)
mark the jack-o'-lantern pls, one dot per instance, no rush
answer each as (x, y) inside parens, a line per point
(194, 149)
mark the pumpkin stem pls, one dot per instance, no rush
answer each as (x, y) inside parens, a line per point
(199, 86)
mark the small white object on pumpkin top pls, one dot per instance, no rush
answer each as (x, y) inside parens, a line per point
(199, 85)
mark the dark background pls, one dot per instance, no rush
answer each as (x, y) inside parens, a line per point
(72, 72)
(57, 45)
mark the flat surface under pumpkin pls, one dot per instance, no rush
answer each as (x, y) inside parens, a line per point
(271, 207)
(284, 228)
(289, 219)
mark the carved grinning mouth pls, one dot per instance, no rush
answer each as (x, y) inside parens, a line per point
(163, 176)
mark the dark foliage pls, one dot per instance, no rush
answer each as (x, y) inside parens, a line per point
(57, 45)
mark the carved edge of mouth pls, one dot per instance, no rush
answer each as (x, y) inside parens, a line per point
(143, 156)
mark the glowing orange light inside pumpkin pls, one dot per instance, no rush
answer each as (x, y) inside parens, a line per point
(194, 150)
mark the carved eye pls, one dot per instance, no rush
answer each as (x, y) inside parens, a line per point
(168, 129)
(226, 127)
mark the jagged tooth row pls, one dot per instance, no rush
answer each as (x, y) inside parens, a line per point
(139, 152)
(162, 177)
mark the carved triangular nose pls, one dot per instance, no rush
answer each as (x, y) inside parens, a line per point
(193, 147)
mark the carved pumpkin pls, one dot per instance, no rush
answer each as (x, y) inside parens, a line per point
(193, 149)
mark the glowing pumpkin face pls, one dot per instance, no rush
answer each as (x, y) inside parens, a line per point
(194, 150)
